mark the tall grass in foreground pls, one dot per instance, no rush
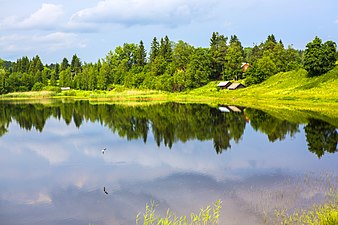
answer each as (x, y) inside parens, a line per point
(209, 215)
(325, 214)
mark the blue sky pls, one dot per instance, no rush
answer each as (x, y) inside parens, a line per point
(58, 28)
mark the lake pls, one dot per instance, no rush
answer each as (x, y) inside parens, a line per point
(53, 169)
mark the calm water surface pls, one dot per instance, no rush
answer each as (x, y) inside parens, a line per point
(53, 170)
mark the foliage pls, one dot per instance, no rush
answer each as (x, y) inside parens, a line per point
(170, 122)
(319, 58)
(209, 215)
(169, 66)
(38, 86)
(321, 137)
(269, 58)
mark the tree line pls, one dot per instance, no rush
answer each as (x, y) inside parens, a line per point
(170, 66)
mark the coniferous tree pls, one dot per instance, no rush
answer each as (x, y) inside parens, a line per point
(218, 51)
(141, 55)
(154, 50)
(64, 64)
(165, 49)
(75, 65)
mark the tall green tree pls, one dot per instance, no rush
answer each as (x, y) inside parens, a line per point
(165, 49)
(181, 55)
(2, 80)
(234, 59)
(141, 55)
(66, 78)
(319, 58)
(52, 80)
(64, 64)
(218, 50)
(75, 65)
(199, 69)
(102, 77)
(154, 50)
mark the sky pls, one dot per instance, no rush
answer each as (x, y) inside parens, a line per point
(54, 29)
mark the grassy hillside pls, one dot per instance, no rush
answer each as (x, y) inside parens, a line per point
(296, 85)
(293, 85)
(288, 95)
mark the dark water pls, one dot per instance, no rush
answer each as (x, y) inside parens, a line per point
(53, 170)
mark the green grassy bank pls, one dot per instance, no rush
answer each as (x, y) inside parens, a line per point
(289, 90)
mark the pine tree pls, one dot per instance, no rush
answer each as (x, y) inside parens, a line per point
(141, 56)
(154, 50)
(218, 51)
(64, 64)
(75, 65)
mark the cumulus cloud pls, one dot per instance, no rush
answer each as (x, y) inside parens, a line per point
(134, 12)
(46, 17)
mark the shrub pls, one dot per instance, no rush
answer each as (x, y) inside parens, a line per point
(38, 86)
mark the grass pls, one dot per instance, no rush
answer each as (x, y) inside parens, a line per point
(289, 90)
(325, 214)
(209, 215)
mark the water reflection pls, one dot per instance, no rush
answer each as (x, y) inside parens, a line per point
(53, 170)
(171, 122)
(321, 137)
(274, 128)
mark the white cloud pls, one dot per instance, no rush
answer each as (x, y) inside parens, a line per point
(132, 12)
(47, 17)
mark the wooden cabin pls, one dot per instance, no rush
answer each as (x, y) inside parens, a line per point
(224, 84)
(235, 86)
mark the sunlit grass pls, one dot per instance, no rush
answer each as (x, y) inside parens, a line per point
(209, 215)
(290, 90)
(325, 214)
(29, 94)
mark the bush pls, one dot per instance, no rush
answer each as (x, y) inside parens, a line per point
(38, 86)
(69, 93)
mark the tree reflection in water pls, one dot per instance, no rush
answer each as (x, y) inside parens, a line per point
(169, 123)
(321, 137)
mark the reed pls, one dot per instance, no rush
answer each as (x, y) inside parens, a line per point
(206, 216)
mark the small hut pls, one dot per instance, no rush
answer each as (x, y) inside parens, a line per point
(224, 84)
(235, 86)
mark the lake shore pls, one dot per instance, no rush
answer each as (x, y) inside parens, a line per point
(222, 97)
(284, 91)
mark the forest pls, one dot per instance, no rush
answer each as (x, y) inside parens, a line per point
(169, 66)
